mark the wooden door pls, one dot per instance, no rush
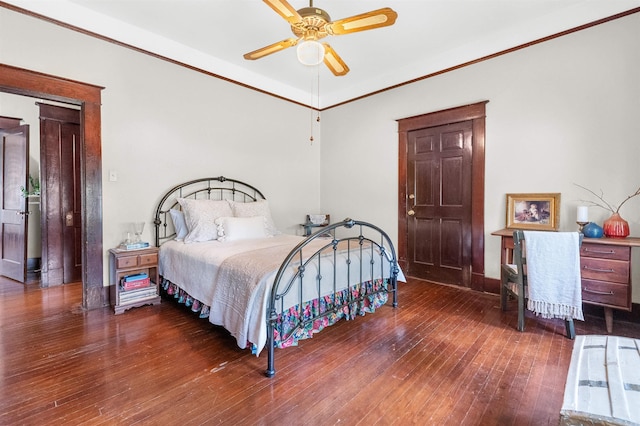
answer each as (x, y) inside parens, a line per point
(25, 82)
(61, 195)
(439, 187)
(14, 175)
(474, 113)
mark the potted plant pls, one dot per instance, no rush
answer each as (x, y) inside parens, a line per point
(35, 188)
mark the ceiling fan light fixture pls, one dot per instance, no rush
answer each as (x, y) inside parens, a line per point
(310, 52)
(311, 24)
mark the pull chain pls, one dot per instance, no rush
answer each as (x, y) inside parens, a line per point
(317, 103)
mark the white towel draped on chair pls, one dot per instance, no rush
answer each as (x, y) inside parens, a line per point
(553, 274)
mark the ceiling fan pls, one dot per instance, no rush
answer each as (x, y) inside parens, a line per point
(311, 24)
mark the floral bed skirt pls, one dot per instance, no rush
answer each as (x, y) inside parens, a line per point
(301, 322)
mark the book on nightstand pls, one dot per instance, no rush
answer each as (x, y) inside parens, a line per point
(137, 294)
(135, 277)
(133, 246)
(132, 285)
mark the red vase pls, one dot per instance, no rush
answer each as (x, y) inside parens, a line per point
(616, 227)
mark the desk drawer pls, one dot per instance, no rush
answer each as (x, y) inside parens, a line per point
(606, 293)
(605, 251)
(604, 270)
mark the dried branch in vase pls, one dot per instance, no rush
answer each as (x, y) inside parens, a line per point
(604, 204)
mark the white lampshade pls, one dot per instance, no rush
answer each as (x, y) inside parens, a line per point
(310, 52)
(583, 214)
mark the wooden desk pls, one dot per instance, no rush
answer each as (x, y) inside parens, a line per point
(605, 265)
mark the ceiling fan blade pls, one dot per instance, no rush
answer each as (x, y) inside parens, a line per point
(272, 48)
(284, 9)
(334, 62)
(366, 21)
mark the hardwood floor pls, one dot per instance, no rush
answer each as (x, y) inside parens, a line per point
(445, 356)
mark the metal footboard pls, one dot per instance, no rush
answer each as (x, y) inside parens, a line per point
(367, 248)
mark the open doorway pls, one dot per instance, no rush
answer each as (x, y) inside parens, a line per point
(88, 97)
(49, 252)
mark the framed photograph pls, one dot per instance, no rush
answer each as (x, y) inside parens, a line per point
(539, 212)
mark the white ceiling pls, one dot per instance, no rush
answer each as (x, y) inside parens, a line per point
(428, 36)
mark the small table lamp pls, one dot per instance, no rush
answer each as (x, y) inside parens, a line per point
(583, 216)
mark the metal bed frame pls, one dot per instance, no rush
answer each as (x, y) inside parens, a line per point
(356, 235)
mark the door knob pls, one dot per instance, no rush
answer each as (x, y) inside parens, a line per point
(411, 212)
(69, 219)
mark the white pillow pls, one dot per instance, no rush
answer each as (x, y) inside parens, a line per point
(256, 208)
(179, 224)
(200, 217)
(241, 228)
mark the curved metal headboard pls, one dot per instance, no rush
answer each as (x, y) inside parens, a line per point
(212, 188)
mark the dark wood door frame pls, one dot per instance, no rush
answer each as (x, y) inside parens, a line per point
(24, 82)
(475, 113)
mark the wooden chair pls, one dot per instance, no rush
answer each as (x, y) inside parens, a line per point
(513, 282)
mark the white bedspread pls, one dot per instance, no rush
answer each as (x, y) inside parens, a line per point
(241, 306)
(235, 278)
(194, 267)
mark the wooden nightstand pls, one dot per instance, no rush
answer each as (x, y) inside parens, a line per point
(130, 262)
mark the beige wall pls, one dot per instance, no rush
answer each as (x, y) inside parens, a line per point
(562, 112)
(163, 124)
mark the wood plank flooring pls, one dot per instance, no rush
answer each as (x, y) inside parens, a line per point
(445, 356)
